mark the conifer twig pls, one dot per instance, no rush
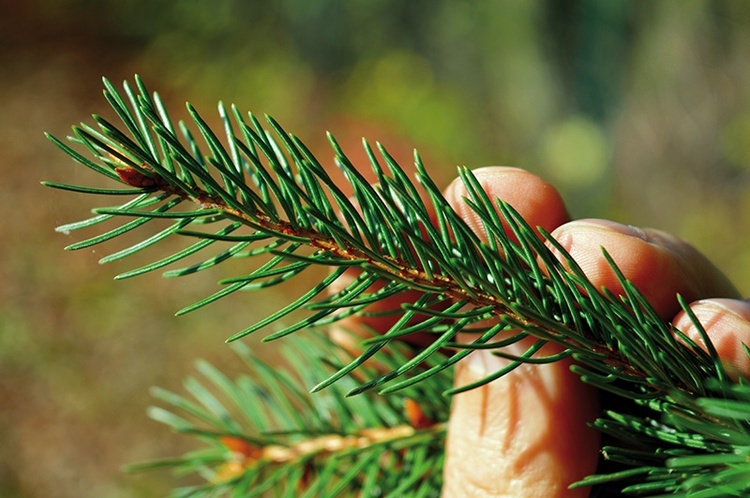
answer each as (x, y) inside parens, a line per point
(680, 424)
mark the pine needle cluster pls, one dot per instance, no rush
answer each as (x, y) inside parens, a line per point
(675, 423)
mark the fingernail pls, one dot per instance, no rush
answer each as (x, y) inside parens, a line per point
(629, 230)
(737, 307)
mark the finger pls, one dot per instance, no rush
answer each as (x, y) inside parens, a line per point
(660, 265)
(526, 434)
(727, 324)
(381, 315)
(535, 200)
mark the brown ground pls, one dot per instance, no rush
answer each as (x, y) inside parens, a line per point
(77, 351)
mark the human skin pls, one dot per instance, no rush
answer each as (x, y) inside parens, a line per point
(526, 435)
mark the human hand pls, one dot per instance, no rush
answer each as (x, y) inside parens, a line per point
(526, 434)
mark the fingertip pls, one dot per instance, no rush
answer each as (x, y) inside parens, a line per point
(727, 324)
(537, 201)
(660, 265)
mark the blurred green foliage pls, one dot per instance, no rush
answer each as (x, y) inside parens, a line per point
(637, 110)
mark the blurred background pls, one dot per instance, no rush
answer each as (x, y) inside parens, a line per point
(638, 111)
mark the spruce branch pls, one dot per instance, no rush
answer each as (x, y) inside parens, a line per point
(259, 191)
(265, 436)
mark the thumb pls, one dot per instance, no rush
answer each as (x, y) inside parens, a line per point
(526, 434)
